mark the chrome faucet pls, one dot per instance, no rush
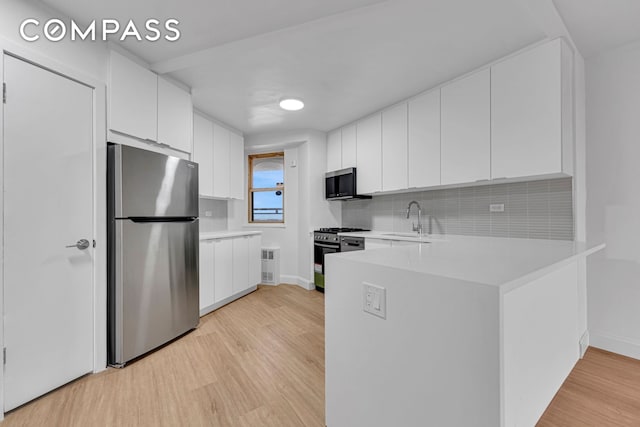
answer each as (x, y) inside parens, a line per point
(415, 227)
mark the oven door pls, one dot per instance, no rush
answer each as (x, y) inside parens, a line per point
(319, 251)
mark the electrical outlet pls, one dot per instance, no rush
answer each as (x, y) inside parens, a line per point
(208, 213)
(496, 207)
(374, 300)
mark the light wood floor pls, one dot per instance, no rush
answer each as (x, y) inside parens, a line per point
(260, 362)
(256, 362)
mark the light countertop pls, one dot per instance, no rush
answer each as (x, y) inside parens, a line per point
(227, 234)
(501, 262)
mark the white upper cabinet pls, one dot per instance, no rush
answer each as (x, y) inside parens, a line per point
(394, 148)
(465, 132)
(349, 157)
(529, 101)
(175, 116)
(221, 166)
(133, 99)
(334, 150)
(203, 154)
(237, 166)
(341, 148)
(424, 140)
(369, 150)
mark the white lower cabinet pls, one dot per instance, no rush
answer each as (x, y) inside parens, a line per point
(207, 272)
(223, 271)
(240, 264)
(376, 243)
(229, 267)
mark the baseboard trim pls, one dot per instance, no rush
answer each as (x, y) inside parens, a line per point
(212, 307)
(620, 345)
(299, 281)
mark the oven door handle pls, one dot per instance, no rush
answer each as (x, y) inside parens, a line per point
(320, 245)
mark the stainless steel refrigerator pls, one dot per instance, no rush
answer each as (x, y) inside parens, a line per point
(153, 245)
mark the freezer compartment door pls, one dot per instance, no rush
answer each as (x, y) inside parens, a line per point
(148, 184)
(156, 287)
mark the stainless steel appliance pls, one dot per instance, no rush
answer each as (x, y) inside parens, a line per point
(349, 244)
(342, 185)
(153, 245)
(326, 241)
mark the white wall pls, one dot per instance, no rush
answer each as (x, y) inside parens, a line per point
(305, 206)
(86, 57)
(613, 199)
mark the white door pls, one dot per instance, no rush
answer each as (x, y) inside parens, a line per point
(48, 196)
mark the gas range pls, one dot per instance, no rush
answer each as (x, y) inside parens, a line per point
(330, 235)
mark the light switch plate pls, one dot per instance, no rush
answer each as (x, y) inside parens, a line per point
(374, 300)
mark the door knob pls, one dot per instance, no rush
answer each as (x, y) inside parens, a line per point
(80, 244)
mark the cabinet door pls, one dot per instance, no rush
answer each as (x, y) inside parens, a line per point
(175, 116)
(424, 140)
(240, 264)
(133, 98)
(334, 150)
(207, 275)
(255, 261)
(221, 157)
(237, 166)
(369, 150)
(466, 146)
(223, 272)
(526, 113)
(203, 153)
(349, 146)
(394, 148)
(376, 243)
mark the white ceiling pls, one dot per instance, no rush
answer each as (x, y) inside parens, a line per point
(600, 25)
(345, 58)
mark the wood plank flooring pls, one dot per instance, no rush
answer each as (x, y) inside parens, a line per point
(260, 362)
(602, 390)
(256, 362)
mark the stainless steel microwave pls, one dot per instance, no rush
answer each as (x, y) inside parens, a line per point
(342, 185)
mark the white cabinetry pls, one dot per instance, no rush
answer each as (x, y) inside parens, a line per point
(531, 132)
(220, 155)
(349, 151)
(394, 148)
(221, 166)
(203, 154)
(133, 99)
(223, 277)
(229, 269)
(144, 107)
(466, 138)
(236, 166)
(341, 148)
(424, 140)
(240, 264)
(334, 150)
(369, 154)
(376, 243)
(207, 273)
(175, 116)
(255, 261)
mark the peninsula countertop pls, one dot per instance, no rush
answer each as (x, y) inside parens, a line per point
(506, 263)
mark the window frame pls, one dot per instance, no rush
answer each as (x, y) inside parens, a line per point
(251, 189)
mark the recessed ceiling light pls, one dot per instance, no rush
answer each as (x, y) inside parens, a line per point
(291, 104)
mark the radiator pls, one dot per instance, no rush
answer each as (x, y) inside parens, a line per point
(271, 266)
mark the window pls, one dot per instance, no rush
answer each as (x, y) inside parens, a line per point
(266, 188)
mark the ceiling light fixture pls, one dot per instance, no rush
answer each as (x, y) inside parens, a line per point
(291, 104)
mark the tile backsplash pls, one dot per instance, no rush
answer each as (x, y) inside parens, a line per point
(536, 209)
(218, 219)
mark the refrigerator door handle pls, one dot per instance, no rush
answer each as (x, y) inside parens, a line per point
(143, 220)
